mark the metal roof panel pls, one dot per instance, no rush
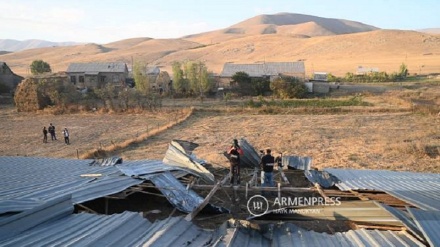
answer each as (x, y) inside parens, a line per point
(419, 189)
(97, 67)
(429, 223)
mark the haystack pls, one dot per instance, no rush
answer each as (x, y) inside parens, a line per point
(32, 93)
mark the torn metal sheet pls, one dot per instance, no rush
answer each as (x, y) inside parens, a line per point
(429, 223)
(177, 194)
(54, 224)
(404, 217)
(185, 200)
(30, 181)
(177, 156)
(297, 162)
(419, 189)
(250, 157)
(323, 178)
(355, 211)
(287, 234)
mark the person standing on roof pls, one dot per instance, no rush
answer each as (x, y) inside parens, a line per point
(234, 153)
(267, 163)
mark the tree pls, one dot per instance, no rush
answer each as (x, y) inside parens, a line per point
(241, 78)
(260, 86)
(191, 72)
(244, 83)
(179, 82)
(106, 94)
(141, 81)
(288, 87)
(191, 77)
(198, 77)
(403, 71)
(40, 67)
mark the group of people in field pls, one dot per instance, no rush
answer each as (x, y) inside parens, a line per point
(51, 130)
(267, 164)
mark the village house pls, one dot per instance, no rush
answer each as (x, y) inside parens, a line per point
(96, 75)
(270, 70)
(8, 79)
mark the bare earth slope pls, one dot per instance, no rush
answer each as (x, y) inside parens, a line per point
(283, 23)
(332, 45)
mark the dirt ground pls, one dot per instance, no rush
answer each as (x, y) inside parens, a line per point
(359, 139)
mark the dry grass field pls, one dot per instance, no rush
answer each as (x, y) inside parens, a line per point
(387, 135)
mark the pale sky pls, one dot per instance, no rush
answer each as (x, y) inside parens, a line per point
(105, 21)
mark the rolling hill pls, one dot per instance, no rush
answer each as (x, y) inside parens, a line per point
(331, 45)
(16, 45)
(284, 24)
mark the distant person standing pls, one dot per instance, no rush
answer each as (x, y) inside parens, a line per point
(52, 132)
(66, 136)
(44, 135)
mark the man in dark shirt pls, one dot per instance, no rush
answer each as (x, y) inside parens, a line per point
(44, 135)
(234, 153)
(267, 163)
(52, 132)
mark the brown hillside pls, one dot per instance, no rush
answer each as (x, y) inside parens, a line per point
(283, 23)
(337, 26)
(126, 43)
(307, 29)
(59, 58)
(337, 54)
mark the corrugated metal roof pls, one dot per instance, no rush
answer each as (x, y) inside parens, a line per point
(297, 162)
(405, 218)
(52, 224)
(28, 181)
(250, 157)
(183, 199)
(419, 189)
(141, 167)
(323, 178)
(97, 67)
(291, 235)
(429, 223)
(18, 223)
(354, 211)
(177, 156)
(263, 69)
